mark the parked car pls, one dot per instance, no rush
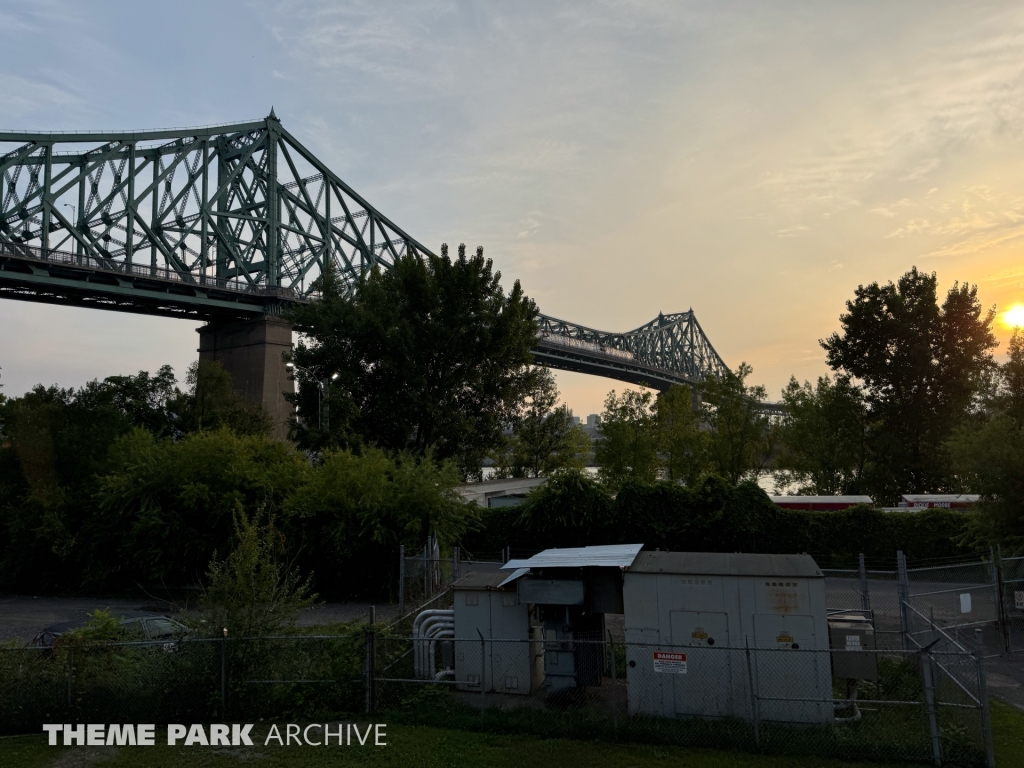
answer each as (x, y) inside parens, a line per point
(137, 628)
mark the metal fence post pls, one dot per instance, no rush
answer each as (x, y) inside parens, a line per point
(1001, 613)
(456, 563)
(903, 594)
(71, 674)
(483, 669)
(223, 674)
(368, 670)
(615, 688)
(755, 715)
(986, 719)
(426, 569)
(401, 579)
(929, 700)
(865, 598)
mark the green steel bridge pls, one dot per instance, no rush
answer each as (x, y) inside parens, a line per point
(232, 223)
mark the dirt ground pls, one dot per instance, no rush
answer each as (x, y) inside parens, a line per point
(21, 618)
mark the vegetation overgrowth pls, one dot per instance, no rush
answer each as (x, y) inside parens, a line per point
(134, 484)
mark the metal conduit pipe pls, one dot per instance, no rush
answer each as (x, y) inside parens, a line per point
(851, 702)
(422, 615)
(422, 621)
(432, 645)
(430, 628)
(420, 662)
(444, 674)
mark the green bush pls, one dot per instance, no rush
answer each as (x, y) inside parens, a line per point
(713, 516)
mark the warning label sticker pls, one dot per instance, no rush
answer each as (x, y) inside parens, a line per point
(853, 642)
(672, 663)
(1018, 600)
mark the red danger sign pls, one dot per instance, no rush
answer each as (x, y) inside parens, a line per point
(670, 663)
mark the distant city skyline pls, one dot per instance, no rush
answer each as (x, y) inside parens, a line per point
(755, 161)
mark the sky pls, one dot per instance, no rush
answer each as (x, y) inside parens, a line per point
(753, 161)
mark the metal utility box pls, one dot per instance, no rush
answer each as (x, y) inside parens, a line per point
(483, 609)
(852, 638)
(706, 609)
(571, 591)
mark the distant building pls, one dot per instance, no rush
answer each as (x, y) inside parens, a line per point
(499, 493)
(940, 500)
(820, 503)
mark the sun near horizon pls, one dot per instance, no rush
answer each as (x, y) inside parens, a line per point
(1014, 316)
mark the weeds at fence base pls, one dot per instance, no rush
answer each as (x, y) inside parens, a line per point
(872, 739)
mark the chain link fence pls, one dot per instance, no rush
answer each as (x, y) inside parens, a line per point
(425, 574)
(918, 695)
(902, 705)
(980, 604)
(911, 705)
(192, 680)
(1012, 602)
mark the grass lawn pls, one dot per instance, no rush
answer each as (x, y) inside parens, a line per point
(434, 747)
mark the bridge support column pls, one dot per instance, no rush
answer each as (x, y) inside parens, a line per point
(250, 350)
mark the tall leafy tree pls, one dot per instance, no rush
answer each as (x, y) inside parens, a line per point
(922, 366)
(627, 448)
(741, 437)
(546, 437)
(823, 436)
(430, 355)
(682, 438)
(987, 456)
(164, 507)
(211, 403)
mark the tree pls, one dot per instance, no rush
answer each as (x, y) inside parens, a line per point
(922, 367)
(356, 509)
(149, 402)
(741, 437)
(163, 507)
(431, 355)
(254, 590)
(987, 456)
(628, 446)
(569, 510)
(682, 439)
(212, 403)
(823, 436)
(546, 438)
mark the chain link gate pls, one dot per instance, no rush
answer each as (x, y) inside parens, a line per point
(1011, 576)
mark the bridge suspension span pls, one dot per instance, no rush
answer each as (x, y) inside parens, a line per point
(230, 224)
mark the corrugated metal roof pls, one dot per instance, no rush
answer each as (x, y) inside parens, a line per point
(515, 575)
(612, 555)
(723, 564)
(477, 580)
(514, 564)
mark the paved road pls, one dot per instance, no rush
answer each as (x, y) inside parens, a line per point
(21, 618)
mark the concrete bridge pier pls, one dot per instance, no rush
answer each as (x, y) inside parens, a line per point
(250, 350)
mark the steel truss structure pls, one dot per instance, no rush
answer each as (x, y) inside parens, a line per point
(237, 221)
(671, 349)
(224, 220)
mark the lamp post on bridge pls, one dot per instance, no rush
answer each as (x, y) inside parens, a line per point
(319, 394)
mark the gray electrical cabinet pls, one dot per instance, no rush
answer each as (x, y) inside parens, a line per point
(852, 637)
(690, 617)
(513, 662)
